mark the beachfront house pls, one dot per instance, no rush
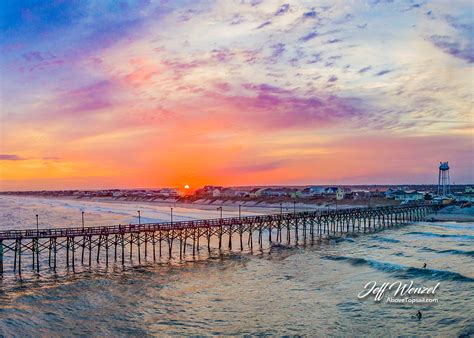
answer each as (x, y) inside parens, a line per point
(358, 194)
(117, 194)
(227, 192)
(466, 196)
(310, 192)
(340, 193)
(259, 192)
(255, 192)
(330, 191)
(409, 196)
(168, 192)
(442, 200)
(206, 191)
(392, 193)
(241, 193)
(273, 192)
(223, 192)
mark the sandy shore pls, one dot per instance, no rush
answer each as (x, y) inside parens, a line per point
(203, 204)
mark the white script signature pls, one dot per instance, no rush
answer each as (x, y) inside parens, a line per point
(399, 289)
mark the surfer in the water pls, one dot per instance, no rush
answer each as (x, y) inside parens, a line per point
(424, 266)
(419, 315)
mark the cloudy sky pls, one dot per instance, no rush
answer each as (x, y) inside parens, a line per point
(152, 93)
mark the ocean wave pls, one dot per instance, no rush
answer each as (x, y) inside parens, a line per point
(449, 251)
(456, 226)
(403, 271)
(280, 247)
(401, 254)
(386, 239)
(413, 272)
(432, 234)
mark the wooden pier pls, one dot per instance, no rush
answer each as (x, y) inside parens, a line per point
(57, 248)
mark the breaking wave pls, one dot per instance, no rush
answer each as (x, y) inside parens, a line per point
(455, 226)
(432, 234)
(449, 251)
(385, 239)
(402, 271)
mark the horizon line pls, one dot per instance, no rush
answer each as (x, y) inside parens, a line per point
(237, 186)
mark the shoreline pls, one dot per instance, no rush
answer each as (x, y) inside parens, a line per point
(206, 204)
(263, 207)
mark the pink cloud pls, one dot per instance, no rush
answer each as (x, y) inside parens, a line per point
(86, 99)
(266, 106)
(141, 76)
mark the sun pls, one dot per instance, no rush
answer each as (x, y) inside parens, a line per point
(186, 186)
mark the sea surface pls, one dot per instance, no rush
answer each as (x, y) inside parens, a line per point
(283, 290)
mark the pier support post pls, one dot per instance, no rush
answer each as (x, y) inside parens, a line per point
(220, 237)
(270, 233)
(123, 248)
(36, 253)
(67, 253)
(209, 241)
(288, 233)
(180, 247)
(194, 243)
(106, 250)
(296, 229)
(304, 230)
(241, 243)
(160, 241)
(55, 249)
(16, 250)
(49, 251)
(278, 231)
(197, 240)
(19, 257)
(90, 250)
(73, 249)
(170, 245)
(1, 258)
(146, 244)
(185, 240)
(83, 248)
(33, 252)
(251, 239)
(153, 240)
(138, 245)
(115, 247)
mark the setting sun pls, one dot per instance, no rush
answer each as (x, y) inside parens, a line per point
(186, 186)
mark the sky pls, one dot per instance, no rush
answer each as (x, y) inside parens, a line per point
(155, 93)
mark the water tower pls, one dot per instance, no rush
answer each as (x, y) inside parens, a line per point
(443, 179)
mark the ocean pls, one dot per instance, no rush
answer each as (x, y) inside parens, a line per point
(284, 290)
